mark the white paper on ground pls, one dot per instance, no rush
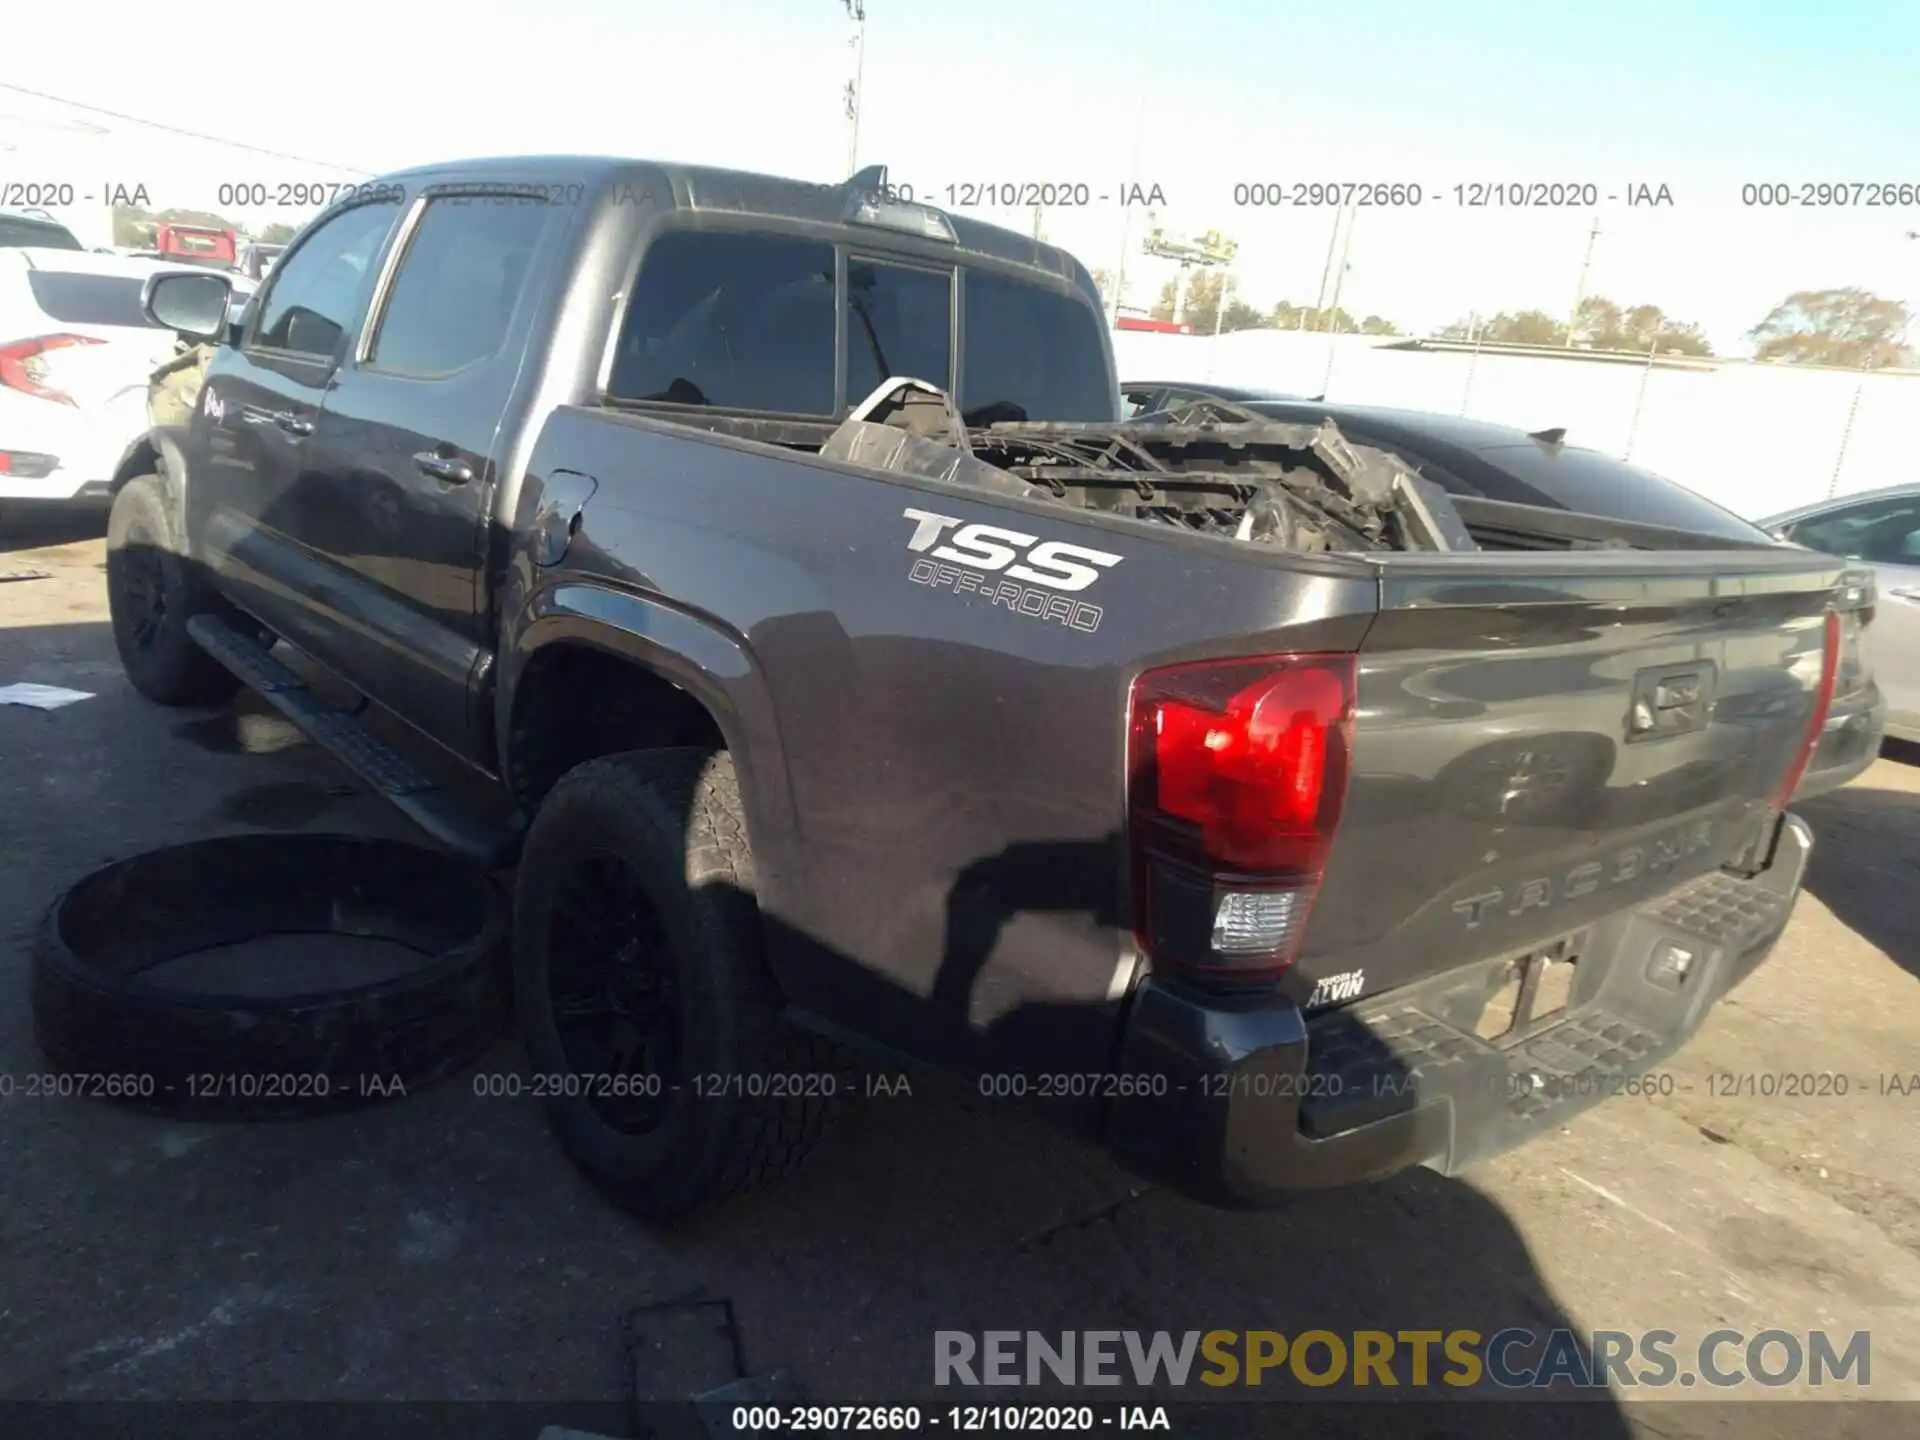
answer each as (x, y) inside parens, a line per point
(41, 697)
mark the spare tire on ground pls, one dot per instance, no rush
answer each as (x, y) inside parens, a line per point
(257, 977)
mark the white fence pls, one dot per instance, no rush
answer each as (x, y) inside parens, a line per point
(1756, 438)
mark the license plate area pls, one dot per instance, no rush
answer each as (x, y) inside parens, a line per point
(1521, 997)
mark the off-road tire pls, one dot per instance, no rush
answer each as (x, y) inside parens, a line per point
(674, 819)
(152, 591)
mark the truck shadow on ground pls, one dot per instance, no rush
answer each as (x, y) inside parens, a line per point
(949, 1209)
(1866, 866)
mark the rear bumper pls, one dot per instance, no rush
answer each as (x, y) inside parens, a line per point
(1260, 1102)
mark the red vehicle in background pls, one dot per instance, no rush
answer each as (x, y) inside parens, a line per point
(1143, 322)
(195, 245)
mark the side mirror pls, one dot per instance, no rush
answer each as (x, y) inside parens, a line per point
(194, 306)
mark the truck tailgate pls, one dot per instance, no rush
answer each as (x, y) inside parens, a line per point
(1542, 741)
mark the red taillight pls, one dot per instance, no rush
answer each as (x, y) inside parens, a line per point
(1237, 771)
(27, 465)
(22, 369)
(1822, 704)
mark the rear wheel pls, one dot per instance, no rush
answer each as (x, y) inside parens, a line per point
(643, 994)
(152, 591)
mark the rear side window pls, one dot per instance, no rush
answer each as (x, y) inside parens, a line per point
(1031, 354)
(899, 322)
(75, 298)
(741, 321)
(455, 292)
(17, 232)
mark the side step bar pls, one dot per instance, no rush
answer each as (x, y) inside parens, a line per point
(358, 748)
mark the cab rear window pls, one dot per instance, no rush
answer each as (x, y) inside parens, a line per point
(1032, 354)
(747, 321)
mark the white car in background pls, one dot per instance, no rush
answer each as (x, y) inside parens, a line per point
(19, 228)
(75, 357)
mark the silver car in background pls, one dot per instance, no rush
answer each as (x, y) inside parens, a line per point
(1879, 528)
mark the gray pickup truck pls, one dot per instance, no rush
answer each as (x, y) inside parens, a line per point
(848, 670)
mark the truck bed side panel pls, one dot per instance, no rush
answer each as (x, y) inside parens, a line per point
(953, 740)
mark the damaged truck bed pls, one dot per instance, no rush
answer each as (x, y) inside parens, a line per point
(1217, 468)
(1254, 806)
(1214, 469)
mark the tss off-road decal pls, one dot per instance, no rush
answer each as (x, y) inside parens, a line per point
(1024, 573)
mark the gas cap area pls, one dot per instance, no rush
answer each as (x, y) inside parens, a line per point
(556, 516)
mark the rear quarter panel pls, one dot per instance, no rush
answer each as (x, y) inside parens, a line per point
(936, 791)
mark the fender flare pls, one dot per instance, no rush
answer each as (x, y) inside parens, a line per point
(160, 451)
(690, 651)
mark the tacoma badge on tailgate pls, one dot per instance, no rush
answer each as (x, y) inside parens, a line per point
(1622, 867)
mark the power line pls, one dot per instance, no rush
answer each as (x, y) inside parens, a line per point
(177, 130)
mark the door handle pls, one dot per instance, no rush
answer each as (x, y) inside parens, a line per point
(442, 467)
(293, 424)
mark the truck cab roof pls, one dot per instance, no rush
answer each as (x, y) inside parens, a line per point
(659, 186)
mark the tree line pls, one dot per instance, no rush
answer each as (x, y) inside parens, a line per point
(1598, 324)
(1847, 327)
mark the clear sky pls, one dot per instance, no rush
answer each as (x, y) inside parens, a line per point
(1700, 97)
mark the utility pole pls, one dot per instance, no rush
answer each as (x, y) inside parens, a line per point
(1846, 436)
(1340, 275)
(1219, 315)
(1220, 304)
(1907, 328)
(1326, 271)
(1133, 169)
(1580, 289)
(1640, 400)
(1475, 330)
(1853, 408)
(857, 13)
(1209, 251)
(1333, 303)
